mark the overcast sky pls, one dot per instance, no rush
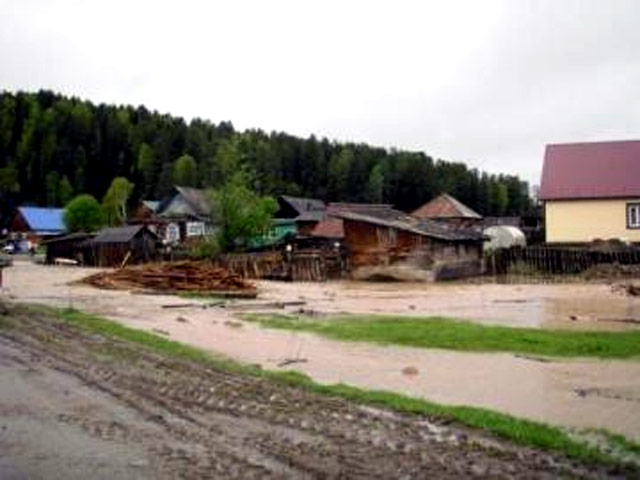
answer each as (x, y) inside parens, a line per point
(484, 82)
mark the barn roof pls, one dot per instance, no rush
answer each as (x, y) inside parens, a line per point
(445, 206)
(425, 227)
(43, 220)
(591, 170)
(118, 234)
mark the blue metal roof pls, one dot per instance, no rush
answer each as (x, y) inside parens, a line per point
(43, 220)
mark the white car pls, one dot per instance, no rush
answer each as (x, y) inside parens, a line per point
(9, 248)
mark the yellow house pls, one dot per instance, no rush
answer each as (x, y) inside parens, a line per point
(591, 191)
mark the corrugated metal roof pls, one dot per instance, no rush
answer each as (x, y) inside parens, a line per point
(591, 170)
(445, 206)
(44, 220)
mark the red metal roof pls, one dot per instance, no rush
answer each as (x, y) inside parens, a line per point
(591, 170)
(445, 206)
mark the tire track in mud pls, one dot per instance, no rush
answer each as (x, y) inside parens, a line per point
(215, 424)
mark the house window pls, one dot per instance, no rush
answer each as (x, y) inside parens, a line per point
(172, 233)
(195, 229)
(633, 215)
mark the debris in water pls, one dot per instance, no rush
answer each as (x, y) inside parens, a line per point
(289, 361)
(410, 371)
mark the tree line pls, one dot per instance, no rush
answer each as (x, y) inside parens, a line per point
(53, 148)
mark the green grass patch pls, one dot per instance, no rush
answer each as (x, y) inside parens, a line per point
(520, 431)
(450, 334)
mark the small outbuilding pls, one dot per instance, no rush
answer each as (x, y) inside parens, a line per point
(66, 247)
(112, 246)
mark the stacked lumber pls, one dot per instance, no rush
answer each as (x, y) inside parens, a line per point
(185, 276)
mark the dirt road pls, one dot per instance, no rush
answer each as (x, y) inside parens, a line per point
(567, 392)
(75, 405)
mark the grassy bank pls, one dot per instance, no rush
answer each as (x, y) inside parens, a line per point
(520, 431)
(436, 332)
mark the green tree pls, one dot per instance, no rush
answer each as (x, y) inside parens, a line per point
(83, 213)
(239, 212)
(65, 191)
(185, 171)
(227, 162)
(52, 183)
(375, 185)
(338, 175)
(114, 203)
(9, 181)
(499, 197)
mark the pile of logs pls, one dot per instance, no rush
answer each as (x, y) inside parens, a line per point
(186, 276)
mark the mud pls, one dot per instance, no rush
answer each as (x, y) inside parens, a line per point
(522, 386)
(77, 405)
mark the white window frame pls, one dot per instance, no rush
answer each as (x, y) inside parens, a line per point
(172, 233)
(195, 229)
(633, 210)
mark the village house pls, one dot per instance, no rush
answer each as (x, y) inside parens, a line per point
(187, 213)
(591, 191)
(450, 210)
(36, 224)
(388, 244)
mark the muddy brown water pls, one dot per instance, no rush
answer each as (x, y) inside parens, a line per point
(572, 392)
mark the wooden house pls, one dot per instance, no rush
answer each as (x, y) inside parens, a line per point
(591, 191)
(388, 244)
(187, 213)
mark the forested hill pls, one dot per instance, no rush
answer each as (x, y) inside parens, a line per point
(54, 147)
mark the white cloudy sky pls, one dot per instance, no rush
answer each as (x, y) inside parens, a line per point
(486, 82)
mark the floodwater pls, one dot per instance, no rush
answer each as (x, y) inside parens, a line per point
(571, 306)
(575, 392)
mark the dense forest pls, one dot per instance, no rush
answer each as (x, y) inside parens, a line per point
(54, 147)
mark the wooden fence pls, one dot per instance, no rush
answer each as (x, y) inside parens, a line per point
(560, 264)
(299, 266)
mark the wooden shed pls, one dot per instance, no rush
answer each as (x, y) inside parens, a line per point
(69, 247)
(111, 246)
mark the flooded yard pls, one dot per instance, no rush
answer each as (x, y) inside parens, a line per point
(573, 392)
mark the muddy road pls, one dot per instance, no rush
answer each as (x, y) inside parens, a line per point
(77, 405)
